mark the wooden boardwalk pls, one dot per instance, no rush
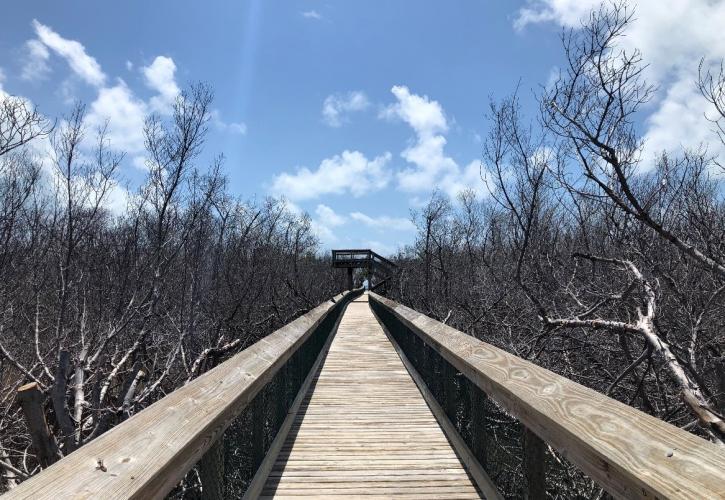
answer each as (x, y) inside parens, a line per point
(364, 429)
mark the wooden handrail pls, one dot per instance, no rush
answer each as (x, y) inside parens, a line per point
(629, 453)
(148, 454)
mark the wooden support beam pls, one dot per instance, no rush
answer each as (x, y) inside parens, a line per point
(629, 453)
(211, 472)
(534, 465)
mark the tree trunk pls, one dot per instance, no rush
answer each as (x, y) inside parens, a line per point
(31, 402)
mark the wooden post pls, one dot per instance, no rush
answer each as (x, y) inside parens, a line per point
(478, 427)
(211, 471)
(31, 402)
(534, 465)
(258, 429)
(349, 278)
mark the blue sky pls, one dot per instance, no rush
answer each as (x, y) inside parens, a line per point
(355, 111)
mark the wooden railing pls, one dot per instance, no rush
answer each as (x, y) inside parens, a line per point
(150, 453)
(627, 452)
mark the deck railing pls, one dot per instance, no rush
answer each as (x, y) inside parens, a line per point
(229, 415)
(522, 423)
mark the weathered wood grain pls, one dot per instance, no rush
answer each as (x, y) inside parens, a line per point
(479, 475)
(276, 448)
(147, 455)
(629, 453)
(364, 428)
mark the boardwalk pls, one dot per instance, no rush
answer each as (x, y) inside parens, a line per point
(360, 428)
(364, 428)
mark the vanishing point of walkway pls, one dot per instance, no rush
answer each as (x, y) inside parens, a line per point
(364, 429)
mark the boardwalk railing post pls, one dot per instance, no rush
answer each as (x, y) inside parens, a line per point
(478, 427)
(211, 471)
(534, 465)
(258, 418)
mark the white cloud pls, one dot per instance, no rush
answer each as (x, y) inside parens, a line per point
(567, 12)
(677, 117)
(426, 117)
(380, 247)
(239, 128)
(383, 222)
(73, 52)
(125, 114)
(159, 76)
(337, 107)
(35, 67)
(140, 162)
(117, 199)
(116, 105)
(328, 216)
(324, 233)
(678, 121)
(430, 166)
(325, 222)
(350, 172)
(311, 14)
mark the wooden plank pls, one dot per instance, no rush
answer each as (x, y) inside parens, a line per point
(483, 481)
(260, 477)
(364, 428)
(147, 455)
(629, 453)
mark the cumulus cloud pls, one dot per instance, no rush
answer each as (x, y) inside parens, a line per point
(311, 14)
(383, 222)
(116, 106)
(328, 216)
(325, 222)
(124, 113)
(567, 12)
(159, 76)
(430, 166)
(35, 65)
(83, 65)
(350, 172)
(425, 116)
(337, 107)
(677, 116)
